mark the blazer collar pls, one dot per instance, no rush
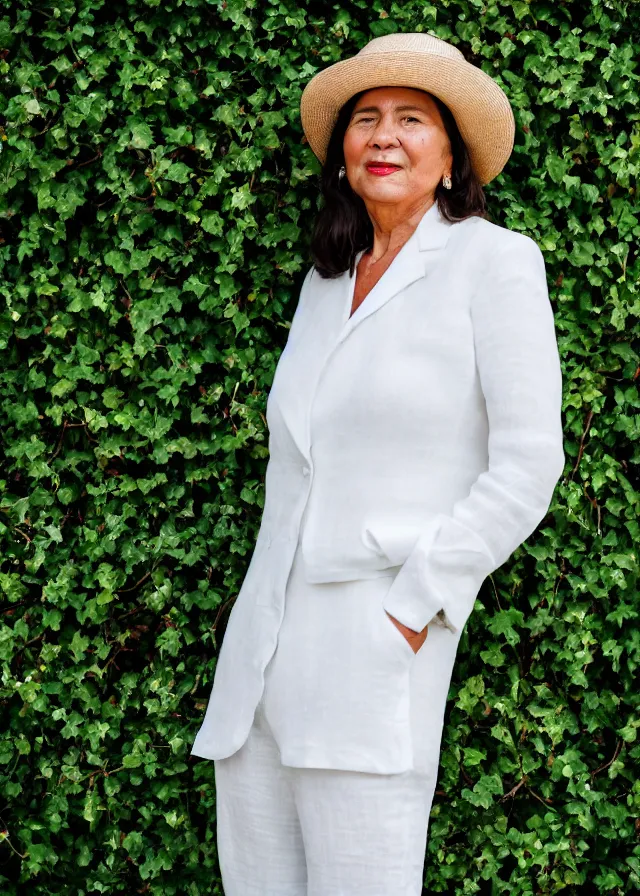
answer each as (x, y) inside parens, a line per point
(330, 322)
(433, 229)
(415, 260)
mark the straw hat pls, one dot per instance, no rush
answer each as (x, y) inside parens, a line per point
(479, 105)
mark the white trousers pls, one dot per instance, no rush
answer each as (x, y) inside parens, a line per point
(286, 831)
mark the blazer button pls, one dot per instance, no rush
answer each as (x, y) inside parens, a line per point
(305, 470)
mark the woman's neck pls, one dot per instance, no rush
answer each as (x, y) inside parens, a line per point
(393, 224)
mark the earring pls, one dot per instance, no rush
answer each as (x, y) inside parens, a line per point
(446, 182)
(342, 172)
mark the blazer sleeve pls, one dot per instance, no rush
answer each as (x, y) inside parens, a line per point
(519, 370)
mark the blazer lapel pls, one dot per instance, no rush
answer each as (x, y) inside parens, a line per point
(330, 324)
(412, 262)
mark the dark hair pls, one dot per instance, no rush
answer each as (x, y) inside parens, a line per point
(343, 226)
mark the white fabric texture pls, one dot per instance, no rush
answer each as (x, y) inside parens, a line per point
(417, 441)
(336, 646)
(316, 832)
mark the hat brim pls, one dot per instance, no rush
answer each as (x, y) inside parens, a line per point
(479, 105)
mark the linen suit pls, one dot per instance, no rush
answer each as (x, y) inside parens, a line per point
(413, 446)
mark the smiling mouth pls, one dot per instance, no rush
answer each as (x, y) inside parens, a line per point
(382, 168)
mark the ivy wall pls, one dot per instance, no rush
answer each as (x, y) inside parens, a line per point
(157, 196)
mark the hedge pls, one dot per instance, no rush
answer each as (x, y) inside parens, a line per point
(157, 200)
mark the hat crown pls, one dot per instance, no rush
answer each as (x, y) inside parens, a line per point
(411, 42)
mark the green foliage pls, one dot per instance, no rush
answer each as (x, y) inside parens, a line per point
(157, 196)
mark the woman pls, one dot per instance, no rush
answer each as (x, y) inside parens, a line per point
(415, 441)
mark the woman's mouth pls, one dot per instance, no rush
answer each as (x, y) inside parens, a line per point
(381, 169)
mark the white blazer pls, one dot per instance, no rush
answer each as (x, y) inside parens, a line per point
(420, 437)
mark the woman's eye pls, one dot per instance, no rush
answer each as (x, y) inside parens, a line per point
(365, 119)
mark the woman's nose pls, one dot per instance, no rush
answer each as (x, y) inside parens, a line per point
(384, 135)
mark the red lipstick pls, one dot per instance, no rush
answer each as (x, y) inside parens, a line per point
(381, 169)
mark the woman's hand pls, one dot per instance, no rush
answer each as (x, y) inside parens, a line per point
(415, 639)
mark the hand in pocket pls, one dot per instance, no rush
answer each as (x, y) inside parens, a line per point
(415, 639)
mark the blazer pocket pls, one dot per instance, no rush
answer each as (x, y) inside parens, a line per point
(395, 634)
(392, 541)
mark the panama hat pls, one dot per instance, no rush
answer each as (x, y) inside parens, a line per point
(479, 105)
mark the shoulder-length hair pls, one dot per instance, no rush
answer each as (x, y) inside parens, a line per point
(343, 227)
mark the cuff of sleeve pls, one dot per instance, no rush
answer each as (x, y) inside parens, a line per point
(407, 602)
(427, 588)
(441, 618)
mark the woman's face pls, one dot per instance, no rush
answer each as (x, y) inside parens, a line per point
(403, 127)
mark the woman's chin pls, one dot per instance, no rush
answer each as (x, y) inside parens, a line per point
(384, 192)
